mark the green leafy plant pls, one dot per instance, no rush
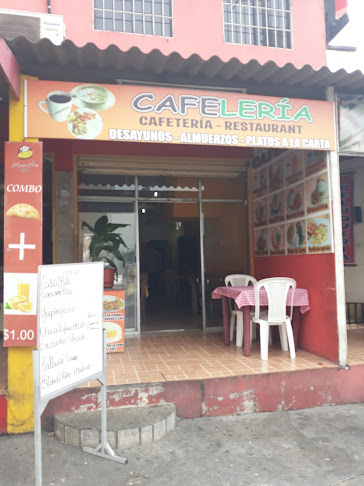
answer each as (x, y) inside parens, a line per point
(105, 243)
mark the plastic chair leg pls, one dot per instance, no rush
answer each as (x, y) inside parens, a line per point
(283, 337)
(292, 348)
(264, 337)
(239, 330)
(232, 326)
(253, 331)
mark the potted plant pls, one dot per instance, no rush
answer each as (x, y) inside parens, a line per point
(104, 246)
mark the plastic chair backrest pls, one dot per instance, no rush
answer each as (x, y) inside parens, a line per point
(277, 290)
(238, 280)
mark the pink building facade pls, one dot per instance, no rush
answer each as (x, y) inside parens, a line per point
(278, 45)
(198, 28)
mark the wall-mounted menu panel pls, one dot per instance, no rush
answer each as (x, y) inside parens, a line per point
(291, 203)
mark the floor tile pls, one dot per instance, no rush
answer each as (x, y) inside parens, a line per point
(197, 356)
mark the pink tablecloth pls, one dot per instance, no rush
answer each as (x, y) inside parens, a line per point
(245, 296)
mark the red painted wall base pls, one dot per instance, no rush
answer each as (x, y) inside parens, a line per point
(316, 273)
(226, 396)
(221, 396)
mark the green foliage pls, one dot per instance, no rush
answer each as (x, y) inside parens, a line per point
(105, 243)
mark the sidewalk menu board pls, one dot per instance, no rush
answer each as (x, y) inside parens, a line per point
(70, 331)
(114, 319)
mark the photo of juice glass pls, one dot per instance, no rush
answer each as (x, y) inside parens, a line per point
(20, 293)
(24, 289)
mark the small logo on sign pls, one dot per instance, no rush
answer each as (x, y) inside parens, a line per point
(24, 152)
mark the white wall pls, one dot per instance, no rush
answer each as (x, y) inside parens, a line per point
(354, 275)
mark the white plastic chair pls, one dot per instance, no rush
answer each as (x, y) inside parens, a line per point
(277, 290)
(238, 280)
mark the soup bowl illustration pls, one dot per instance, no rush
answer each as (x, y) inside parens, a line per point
(92, 95)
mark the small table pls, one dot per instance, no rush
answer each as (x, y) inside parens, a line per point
(244, 298)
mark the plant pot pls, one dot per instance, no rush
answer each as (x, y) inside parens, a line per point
(109, 275)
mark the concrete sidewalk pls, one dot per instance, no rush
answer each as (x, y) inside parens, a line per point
(316, 447)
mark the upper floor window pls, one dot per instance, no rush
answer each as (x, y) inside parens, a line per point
(258, 22)
(151, 17)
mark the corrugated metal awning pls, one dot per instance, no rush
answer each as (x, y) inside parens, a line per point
(69, 62)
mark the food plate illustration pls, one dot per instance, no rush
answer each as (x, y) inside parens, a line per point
(275, 177)
(260, 212)
(275, 207)
(261, 241)
(315, 161)
(84, 123)
(112, 303)
(318, 232)
(263, 180)
(113, 332)
(294, 199)
(319, 193)
(295, 235)
(276, 239)
(92, 96)
(294, 165)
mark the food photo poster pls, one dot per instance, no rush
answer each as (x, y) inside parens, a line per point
(291, 204)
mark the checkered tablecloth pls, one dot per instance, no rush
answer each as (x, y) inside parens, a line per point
(245, 296)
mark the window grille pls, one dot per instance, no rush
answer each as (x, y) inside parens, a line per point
(148, 17)
(258, 22)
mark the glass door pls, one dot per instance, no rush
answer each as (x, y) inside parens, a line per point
(169, 251)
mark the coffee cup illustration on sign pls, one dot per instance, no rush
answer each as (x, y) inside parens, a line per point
(58, 103)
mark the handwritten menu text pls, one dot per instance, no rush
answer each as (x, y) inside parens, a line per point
(69, 325)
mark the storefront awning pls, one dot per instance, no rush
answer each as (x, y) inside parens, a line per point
(90, 64)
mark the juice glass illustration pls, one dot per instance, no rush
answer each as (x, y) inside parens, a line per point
(24, 289)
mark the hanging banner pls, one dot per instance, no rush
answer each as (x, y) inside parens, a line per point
(347, 198)
(23, 188)
(351, 124)
(341, 7)
(175, 115)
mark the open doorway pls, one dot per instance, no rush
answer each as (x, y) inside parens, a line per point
(184, 235)
(169, 236)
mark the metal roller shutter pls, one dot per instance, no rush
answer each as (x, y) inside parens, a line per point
(165, 166)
